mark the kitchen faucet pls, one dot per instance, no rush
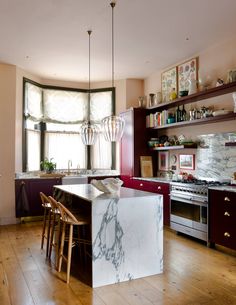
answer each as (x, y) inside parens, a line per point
(69, 166)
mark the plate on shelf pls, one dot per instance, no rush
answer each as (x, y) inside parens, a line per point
(221, 112)
(181, 138)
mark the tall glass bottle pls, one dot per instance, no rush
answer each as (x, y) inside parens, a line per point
(178, 114)
(183, 114)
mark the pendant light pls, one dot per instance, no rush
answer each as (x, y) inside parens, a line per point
(89, 132)
(113, 126)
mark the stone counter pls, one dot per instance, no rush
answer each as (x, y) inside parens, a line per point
(127, 232)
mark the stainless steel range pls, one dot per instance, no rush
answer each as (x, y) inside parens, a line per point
(189, 207)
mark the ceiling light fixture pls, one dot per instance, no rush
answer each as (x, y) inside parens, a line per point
(89, 132)
(113, 126)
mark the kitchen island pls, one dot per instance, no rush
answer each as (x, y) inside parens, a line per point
(127, 231)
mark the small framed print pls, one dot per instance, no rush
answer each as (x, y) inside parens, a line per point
(168, 82)
(187, 161)
(187, 71)
(163, 160)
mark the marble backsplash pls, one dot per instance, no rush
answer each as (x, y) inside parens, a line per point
(214, 159)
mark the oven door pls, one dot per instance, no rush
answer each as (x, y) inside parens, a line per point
(189, 212)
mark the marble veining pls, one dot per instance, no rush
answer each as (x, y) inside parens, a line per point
(112, 249)
(215, 160)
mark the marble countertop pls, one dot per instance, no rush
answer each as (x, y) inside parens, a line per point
(228, 188)
(154, 179)
(88, 192)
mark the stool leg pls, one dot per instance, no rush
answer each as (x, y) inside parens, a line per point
(48, 232)
(51, 235)
(44, 227)
(61, 246)
(69, 254)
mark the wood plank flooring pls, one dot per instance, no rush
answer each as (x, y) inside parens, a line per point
(193, 275)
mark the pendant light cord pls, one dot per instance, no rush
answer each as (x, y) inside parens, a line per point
(112, 40)
(89, 33)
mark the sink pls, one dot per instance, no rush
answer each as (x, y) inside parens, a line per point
(75, 179)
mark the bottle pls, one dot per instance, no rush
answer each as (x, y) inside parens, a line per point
(183, 114)
(173, 94)
(178, 114)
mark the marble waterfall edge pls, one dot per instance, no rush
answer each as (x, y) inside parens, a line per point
(127, 237)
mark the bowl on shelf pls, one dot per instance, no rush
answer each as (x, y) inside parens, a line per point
(183, 93)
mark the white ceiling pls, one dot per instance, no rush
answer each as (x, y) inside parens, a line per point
(49, 37)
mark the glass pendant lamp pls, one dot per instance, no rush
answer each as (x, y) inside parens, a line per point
(89, 132)
(113, 126)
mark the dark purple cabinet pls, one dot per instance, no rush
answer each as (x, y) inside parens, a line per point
(222, 218)
(134, 142)
(27, 199)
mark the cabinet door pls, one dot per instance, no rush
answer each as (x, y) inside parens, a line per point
(222, 216)
(134, 142)
(28, 202)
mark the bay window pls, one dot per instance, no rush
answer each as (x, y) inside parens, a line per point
(52, 120)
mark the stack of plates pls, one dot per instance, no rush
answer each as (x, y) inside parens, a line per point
(221, 112)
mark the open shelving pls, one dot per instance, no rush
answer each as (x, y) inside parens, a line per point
(202, 95)
(212, 119)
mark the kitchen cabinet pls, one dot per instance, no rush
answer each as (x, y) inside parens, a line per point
(134, 142)
(222, 218)
(154, 187)
(202, 95)
(27, 199)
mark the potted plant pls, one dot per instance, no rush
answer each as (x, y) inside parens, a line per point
(48, 165)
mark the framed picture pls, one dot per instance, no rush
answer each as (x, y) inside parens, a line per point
(187, 71)
(168, 82)
(163, 160)
(187, 161)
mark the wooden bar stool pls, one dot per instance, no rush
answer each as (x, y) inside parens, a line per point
(69, 220)
(54, 228)
(46, 221)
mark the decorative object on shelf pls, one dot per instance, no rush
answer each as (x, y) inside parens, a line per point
(113, 126)
(192, 86)
(231, 77)
(219, 82)
(152, 100)
(234, 98)
(142, 101)
(159, 97)
(173, 159)
(48, 165)
(168, 82)
(173, 94)
(183, 93)
(89, 132)
(163, 160)
(187, 162)
(187, 72)
(146, 166)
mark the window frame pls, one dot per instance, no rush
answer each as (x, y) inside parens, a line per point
(42, 125)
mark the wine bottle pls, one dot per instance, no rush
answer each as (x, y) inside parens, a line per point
(178, 114)
(183, 114)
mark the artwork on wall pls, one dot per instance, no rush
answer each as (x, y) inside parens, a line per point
(168, 82)
(187, 162)
(163, 160)
(187, 74)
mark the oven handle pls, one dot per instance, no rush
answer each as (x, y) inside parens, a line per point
(189, 200)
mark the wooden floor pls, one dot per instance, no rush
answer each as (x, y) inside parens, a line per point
(193, 275)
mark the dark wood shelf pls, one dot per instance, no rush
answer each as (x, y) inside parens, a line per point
(175, 147)
(230, 144)
(213, 119)
(202, 95)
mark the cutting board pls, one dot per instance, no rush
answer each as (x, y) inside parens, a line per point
(146, 166)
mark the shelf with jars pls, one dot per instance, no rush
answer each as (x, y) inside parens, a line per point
(163, 115)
